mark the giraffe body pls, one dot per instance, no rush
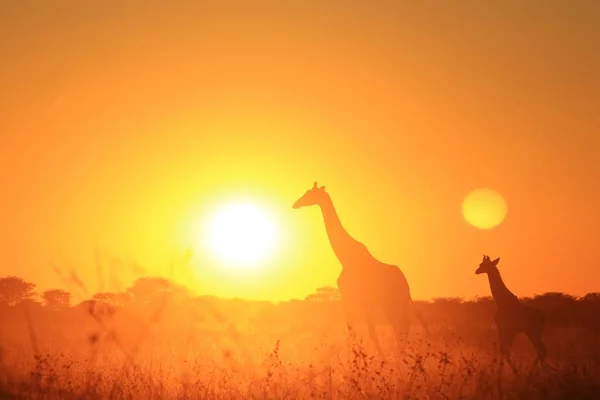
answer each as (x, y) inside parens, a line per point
(365, 283)
(512, 316)
(386, 291)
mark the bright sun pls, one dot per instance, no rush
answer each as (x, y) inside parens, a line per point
(484, 208)
(241, 235)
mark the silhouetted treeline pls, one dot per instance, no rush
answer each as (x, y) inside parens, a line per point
(155, 299)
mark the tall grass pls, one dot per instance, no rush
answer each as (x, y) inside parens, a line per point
(181, 353)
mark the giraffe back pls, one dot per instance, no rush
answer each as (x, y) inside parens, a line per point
(375, 285)
(520, 318)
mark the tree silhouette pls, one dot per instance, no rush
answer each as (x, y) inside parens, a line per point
(14, 290)
(592, 297)
(325, 293)
(112, 298)
(56, 299)
(554, 297)
(149, 290)
(484, 299)
(448, 300)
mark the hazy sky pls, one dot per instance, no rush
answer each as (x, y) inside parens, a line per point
(125, 124)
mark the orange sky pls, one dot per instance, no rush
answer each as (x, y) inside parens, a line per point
(123, 124)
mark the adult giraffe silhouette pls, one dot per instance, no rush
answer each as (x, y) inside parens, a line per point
(365, 283)
(512, 316)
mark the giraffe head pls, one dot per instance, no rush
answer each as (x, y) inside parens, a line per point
(487, 265)
(314, 196)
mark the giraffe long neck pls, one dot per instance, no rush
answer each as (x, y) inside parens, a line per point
(502, 295)
(346, 248)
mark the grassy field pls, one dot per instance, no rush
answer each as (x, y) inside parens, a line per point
(289, 351)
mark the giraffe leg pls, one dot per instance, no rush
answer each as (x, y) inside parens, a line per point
(373, 332)
(351, 328)
(401, 324)
(351, 331)
(506, 338)
(349, 313)
(511, 364)
(401, 333)
(535, 337)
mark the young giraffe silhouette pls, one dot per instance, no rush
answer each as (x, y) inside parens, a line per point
(512, 316)
(365, 283)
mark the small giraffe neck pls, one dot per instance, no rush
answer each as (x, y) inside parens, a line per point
(346, 248)
(502, 295)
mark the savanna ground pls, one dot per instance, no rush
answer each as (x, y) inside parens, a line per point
(154, 341)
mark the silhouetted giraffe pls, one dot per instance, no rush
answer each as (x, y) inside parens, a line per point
(512, 316)
(365, 282)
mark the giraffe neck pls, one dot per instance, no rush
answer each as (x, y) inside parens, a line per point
(502, 295)
(347, 249)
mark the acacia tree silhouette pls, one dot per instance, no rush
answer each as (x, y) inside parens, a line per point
(56, 299)
(14, 290)
(150, 290)
(326, 293)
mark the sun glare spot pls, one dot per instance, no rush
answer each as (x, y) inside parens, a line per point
(484, 208)
(241, 235)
